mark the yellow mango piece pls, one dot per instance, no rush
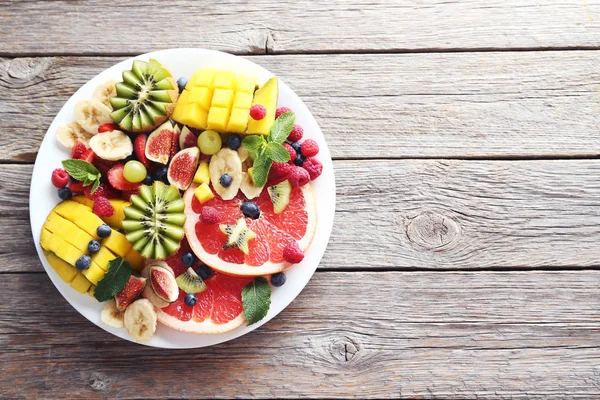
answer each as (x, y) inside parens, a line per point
(178, 113)
(203, 77)
(224, 80)
(46, 239)
(68, 231)
(94, 273)
(91, 291)
(243, 100)
(267, 96)
(80, 283)
(222, 98)
(89, 222)
(70, 209)
(246, 84)
(217, 119)
(68, 252)
(103, 257)
(202, 96)
(196, 116)
(202, 175)
(117, 243)
(203, 193)
(84, 200)
(238, 120)
(135, 259)
(116, 220)
(66, 272)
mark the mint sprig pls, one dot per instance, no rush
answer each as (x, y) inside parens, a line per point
(81, 170)
(256, 300)
(114, 280)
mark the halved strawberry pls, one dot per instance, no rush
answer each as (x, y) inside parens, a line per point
(139, 148)
(88, 156)
(128, 193)
(118, 181)
(78, 150)
(103, 190)
(103, 165)
(76, 187)
(108, 128)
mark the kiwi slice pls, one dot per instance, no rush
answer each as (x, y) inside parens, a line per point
(145, 98)
(154, 221)
(280, 196)
(190, 282)
(238, 235)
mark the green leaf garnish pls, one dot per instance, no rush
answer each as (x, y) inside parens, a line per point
(82, 171)
(282, 127)
(260, 171)
(277, 152)
(114, 280)
(256, 300)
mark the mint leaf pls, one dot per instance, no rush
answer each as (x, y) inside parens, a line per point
(114, 281)
(260, 170)
(79, 169)
(277, 152)
(96, 184)
(254, 143)
(282, 127)
(256, 300)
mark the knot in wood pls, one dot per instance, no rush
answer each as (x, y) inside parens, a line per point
(28, 68)
(97, 383)
(344, 349)
(432, 231)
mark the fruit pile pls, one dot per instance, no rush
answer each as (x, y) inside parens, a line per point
(180, 198)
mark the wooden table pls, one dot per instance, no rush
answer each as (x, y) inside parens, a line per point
(464, 261)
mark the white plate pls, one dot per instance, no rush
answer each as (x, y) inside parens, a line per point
(183, 62)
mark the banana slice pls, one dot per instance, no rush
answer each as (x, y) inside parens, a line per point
(226, 161)
(140, 320)
(69, 134)
(105, 92)
(90, 114)
(112, 146)
(111, 316)
(243, 153)
(247, 187)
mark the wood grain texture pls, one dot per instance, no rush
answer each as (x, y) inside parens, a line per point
(385, 334)
(482, 105)
(106, 27)
(420, 214)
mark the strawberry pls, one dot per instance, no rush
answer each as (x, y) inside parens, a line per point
(103, 165)
(88, 156)
(128, 193)
(108, 128)
(139, 148)
(78, 150)
(103, 190)
(76, 187)
(102, 207)
(118, 181)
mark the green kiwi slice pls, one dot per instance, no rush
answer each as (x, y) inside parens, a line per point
(190, 282)
(280, 196)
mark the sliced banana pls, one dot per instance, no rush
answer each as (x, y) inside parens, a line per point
(70, 133)
(112, 146)
(90, 114)
(111, 316)
(243, 153)
(247, 187)
(226, 161)
(140, 320)
(105, 91)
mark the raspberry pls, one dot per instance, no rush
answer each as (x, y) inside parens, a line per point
(281, 110)
(102, 207)
(290, 150)
(310, 148)
(60, 178)
(313, 167)
(292, 253)
(298, 176)
(103, 190)
(258, 112)
(279, 169)
(78, 150)
(108, 128)
(296, 133)
(209, 215)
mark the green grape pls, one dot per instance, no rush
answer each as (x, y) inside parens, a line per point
(209, 142)
(134, 171)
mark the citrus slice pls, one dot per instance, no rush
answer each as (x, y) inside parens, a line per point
(273, 231)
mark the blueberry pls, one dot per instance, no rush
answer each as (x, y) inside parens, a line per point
(299, 160)
(160, 173)
(181, 83)
(225, 180)
(278, 279)
(250, 209)
(104, 231)
(148, 181)
(65, 193)
(190, 299)
(234, 142)
(83, 262)
(204, 272)
(93, 246)
(188, 259)
(297, 146)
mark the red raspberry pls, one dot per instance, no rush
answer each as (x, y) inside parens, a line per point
(290, 150)
(139, 148)
(102, 207)
(78, 150)
(209, 215)
(296, 133)
(298, 176)
(279, 169)
(313, 167)
(281, 110)
(310, 148)
(76, 187)
(60, 178)
(292, 253)
(258, 112)
(108, 128)
(103, 190)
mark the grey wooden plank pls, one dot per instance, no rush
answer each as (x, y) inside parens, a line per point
(370, 106)
(430, 214)
(362, 335)
(105, 27)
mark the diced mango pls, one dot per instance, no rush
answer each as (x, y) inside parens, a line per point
(238, 120)
(91, 290)
(195, 116)
(46, 240)
(94, 273)
(243, 100)
(222, 98)
(117, 243)
(246, 84)
(84, 200)
(178, 113)
(66, 272)
(267, 96)
(70, 209)
(203, 193)
(224, 80)
(202, 96)
(217, 119)
(68, 252)
(202, 175)
(103, 257)
(135, 259)
(203, 77)
(116, 220)
(80, 283)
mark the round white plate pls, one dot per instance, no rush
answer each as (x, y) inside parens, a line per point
(183, 62)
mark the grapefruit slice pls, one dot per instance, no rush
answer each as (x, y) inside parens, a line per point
(219, 307)
(273, 231)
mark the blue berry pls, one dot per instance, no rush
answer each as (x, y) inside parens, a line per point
(181, 83)
(234, 142)
(104, 231)
(250, 209)
(83, 262)
(160, 173)
(93, 246)
(65, 193)
(299, 160)
(204, 272)
(278, 279)
(225, 180)
(148, 181)
(190, 299)
(296, 146)
(188, 259)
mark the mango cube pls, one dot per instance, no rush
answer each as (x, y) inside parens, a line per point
(91, 290)
(238, 120)
(117, 243)
(94, 273)
(84, 200)
(70, 209)
(246, 83)
(224, 80)
(217, 119)
(46, 240)
(202, 96)
(116, 220)
(68, 252)
(202, 175)
(178, 113)
(222, 98)
(80, 283)
(203, 77)
(267, 96)
(135, 259)
(242, 100)
(203, 193)
(103, 257)
(195, 116)
(66, 272)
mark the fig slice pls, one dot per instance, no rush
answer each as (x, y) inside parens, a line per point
(187, 139)
(158, 145)
(132, 290)
(183, 167)
(164, 284)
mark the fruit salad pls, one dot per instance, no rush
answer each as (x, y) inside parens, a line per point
(182, 201)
